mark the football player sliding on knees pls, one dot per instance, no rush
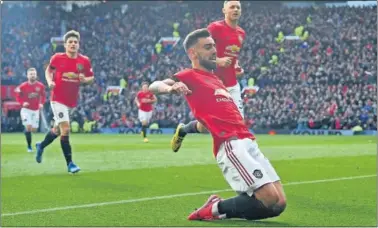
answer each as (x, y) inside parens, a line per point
(64, 75)
(228, 38)
(249, 173)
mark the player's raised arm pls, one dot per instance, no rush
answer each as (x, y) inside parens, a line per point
(169, 86)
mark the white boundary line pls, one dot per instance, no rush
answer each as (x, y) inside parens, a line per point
(169, 197)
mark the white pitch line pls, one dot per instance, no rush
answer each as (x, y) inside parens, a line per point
(170, 196)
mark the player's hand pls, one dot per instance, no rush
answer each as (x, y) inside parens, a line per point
(239, 71)
(82, 78)
(224, 61)
(25, 104)
(180, 88)
(51, 84)
(40, 106)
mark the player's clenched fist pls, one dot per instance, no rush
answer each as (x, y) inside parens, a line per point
(51, 84)
(224, 61)
(180, 88)
(82, 77)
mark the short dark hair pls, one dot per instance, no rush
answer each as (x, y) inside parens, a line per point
(192, 38)
(71, 33)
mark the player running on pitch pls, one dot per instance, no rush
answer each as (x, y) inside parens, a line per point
(64, 75)
(31, 96)
(144, 100)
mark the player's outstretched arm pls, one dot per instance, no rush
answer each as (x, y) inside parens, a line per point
(168, 86)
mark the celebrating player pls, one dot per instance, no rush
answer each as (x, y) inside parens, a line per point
(144, 100)
(243, 165)
(228, 38)
(64, 75)
(31, 96)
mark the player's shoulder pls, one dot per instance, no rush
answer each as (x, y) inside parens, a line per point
(22, 85)
(59, 55)
(219, 23)
(40, 84)
(240, 30)
(81, 56)
(215, 25)
(184, 73)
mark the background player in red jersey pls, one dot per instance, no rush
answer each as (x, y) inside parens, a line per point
(64, 75)
(244, 167)
(31, 96)
(144, 100)
(228, 38)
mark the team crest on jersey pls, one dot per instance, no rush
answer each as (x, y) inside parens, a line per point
(80, 67)
(37, 89)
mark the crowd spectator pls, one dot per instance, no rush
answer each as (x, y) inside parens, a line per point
(324, 80)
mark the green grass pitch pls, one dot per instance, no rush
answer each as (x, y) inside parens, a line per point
(329, 181)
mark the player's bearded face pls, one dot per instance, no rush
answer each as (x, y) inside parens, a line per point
(206, 53)
(72, 45)
(32, 76)
(232, 10)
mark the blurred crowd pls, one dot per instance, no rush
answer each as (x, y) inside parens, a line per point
(325, 79)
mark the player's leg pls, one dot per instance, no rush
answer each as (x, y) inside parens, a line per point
(27, 122)
(65, 129)
(143, 118)
(255, 152)
(52, 134)
(260, 200)
(257, 197)
(182, 130)
(235, 93)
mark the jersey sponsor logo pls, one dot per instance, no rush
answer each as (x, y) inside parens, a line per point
(32, 95)
(226, 96)
(232, 50)
(70, 77)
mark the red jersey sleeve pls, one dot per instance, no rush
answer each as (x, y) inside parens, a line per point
(214, 31)
(19, 94)
(88, 68)
(53, 62)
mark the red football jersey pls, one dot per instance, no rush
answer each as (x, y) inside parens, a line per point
(66, 77)
(228, 42)
(146, 107)
(34, 94)
(212, 105)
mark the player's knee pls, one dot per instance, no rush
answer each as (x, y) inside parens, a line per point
(65, 129)
(34, 130)
(201, 128)
(268, 195)
(28, 128)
